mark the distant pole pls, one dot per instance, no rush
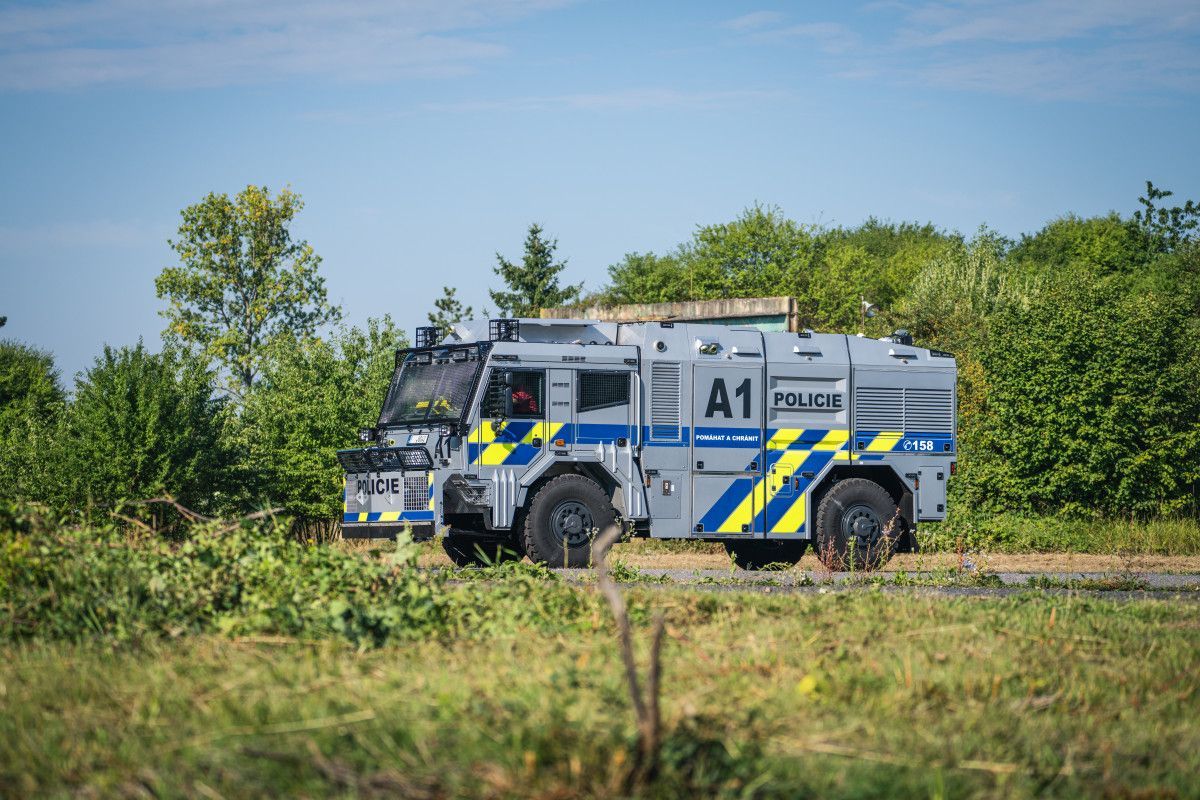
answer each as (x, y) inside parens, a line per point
(865, 310)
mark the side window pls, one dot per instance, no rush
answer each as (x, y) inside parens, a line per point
(525, 388)
(603, 390)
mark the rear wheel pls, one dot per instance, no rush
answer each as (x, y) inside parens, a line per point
(565, 516)
(466, 550)
(765, 553)
(858, 525)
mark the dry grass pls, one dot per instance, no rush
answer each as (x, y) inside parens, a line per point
(650, 554)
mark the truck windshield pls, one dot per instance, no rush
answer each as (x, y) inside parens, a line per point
(428, 392)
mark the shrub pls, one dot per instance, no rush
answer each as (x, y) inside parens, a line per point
(31, 404)
(142, 425)
(313, 397)
(1091, 405)
(245, 578)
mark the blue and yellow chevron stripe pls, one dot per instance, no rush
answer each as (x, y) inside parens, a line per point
(775, 502)
(510, 443)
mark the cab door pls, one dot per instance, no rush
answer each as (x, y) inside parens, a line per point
(510, 434)
(511, 430)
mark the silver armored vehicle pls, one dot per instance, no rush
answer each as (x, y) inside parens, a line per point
(527, 437)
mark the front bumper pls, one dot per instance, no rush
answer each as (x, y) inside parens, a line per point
(419, 531)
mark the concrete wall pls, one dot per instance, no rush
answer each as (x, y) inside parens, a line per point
(772, 313)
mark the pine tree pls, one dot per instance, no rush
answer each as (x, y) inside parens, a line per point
(533, 283)
(448, 310)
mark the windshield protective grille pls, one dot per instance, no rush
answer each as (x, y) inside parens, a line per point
(424, 392)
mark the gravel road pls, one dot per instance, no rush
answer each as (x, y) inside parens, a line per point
(1125, 585)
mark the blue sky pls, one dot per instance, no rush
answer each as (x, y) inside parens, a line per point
(425, 136)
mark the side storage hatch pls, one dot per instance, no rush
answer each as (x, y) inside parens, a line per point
(931, 491)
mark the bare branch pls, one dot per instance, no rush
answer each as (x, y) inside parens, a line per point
(646, 706)
(617, 604)
(171, 501)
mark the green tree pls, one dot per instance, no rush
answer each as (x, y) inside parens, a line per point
(312, 398)
(31, 405)
(533, 283)
(762, 253)
(448, 310)
(877, 260)
(243, 281)
(141, 425)
(1094, 248)
(1167, 228)
(645, 278)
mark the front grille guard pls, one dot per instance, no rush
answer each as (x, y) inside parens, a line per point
(381, 459)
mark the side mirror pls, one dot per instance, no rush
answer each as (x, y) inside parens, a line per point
(367, 434)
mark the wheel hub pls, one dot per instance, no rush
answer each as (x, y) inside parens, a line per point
(862, 524)
(572, 521)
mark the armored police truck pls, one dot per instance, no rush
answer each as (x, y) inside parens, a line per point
(528, 437)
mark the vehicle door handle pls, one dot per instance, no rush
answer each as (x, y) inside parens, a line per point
(537, 441)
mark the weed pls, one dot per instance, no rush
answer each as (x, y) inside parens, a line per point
(1106, 583)
(623, 573)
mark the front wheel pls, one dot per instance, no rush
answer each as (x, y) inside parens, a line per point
(858, 525)
(565, 516)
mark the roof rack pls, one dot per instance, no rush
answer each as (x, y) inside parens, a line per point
(504, 330)
(426, 336)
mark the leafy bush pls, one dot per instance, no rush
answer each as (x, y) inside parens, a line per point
(142, 425)
(1091, 405)
(31, 404)
(245, 578)
(313, 397)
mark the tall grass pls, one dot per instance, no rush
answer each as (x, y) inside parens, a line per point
(839, 696)
(1011, 533)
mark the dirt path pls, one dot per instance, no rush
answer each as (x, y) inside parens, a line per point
(910, 562)
(689, 556)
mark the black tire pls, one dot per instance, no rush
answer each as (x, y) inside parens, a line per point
(477, 551)
(758, 554)
(566, 514)
(858, 526)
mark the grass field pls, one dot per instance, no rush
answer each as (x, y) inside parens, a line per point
(841, 695)
(237, 662)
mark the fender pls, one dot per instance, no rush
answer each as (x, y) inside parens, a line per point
(628, 494)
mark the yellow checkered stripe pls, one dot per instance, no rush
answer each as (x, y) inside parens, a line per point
(883, 442)
(494, 453)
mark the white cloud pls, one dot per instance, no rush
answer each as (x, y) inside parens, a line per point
(80, 234)
(1046, 20)
(621, 100)
(219, 42)
(753, 21)
(1047, 73)
(829, 37)
(1041, 49)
